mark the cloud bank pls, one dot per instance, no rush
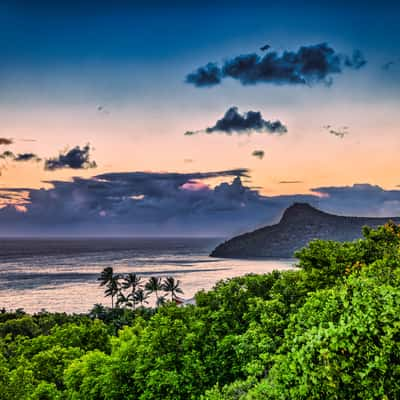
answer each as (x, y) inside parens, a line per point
(144, 203)
(133, 203)
(235, 122)
(309, 65)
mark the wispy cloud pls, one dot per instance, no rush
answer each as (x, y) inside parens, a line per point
(339, 132)
(390, 64)
(102, 109)
(289, 182)
(21, 157)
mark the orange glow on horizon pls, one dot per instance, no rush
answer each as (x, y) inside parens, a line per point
(307, 155)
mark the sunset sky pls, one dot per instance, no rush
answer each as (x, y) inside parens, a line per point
(116, 76)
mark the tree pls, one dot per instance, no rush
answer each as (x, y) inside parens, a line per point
(123, 300)
(113, 289)
(153, 285)
(106, 276)
(161, 300)
(111, 281)
(141, 297)
(342, 344)
(170, 285)
(132, 281)
(98, 311)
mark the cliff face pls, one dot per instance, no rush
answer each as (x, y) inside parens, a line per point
(300, 224)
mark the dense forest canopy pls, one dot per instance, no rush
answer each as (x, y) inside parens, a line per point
(327, 330)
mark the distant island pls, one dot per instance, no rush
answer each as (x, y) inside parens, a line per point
(299, 224)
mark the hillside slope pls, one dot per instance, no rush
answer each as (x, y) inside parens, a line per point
(300, 223)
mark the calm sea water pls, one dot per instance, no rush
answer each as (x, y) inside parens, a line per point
(61, 274)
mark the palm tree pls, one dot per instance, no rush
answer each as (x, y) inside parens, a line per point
(170, 285)
(153, 285)
(140, 297)
(111, 281)
(98, 311)
(106, 276)
(132, 281)
(122, 299)
(113, 288)
(161, 301)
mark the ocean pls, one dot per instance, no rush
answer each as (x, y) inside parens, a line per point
(61, 274)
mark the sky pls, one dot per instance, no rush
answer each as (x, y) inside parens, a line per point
(167, 117)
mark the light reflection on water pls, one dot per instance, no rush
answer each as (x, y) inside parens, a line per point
(61, 274)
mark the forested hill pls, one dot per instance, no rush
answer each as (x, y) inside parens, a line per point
(300, 224)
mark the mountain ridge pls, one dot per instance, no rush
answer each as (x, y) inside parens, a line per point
(300, 223)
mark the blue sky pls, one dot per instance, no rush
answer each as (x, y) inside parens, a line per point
(59, 38)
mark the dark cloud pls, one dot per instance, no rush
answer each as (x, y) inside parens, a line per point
(138, 202)
(340, 134)
(208, 75)
(6, 141)
(19, 157)
(76, 158)
(235, 122)
(141, 203)
(27, 157)
(307, 66)
(258, 153)
(175, 178)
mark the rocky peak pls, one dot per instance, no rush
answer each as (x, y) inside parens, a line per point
(301, 211)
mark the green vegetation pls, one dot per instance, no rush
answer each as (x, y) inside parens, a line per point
(327, 330)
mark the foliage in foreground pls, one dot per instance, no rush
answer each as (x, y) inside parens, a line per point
(328, 330)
